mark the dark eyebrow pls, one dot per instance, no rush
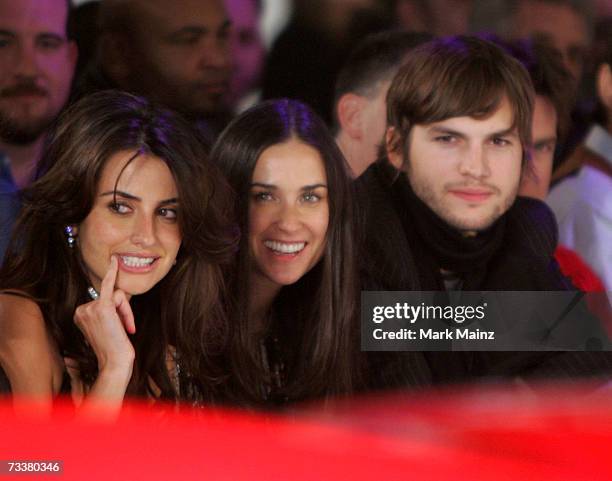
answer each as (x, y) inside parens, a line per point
(273, 187)
(511, 131)
(189, 29)
(446, 130)
(125, 195)
(263, 186)
(545, 141)
(314, 186)
(7, 33)
(120, 193)
(51, 36)
(196, 30)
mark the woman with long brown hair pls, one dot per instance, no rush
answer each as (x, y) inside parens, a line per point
(296, 284)
(117, 261)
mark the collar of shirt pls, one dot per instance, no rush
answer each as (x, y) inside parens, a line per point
(600, 141)
(595, 188)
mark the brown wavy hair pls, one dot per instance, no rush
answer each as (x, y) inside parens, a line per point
(187, 308)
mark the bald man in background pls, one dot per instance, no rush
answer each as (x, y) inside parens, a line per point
(174, 52)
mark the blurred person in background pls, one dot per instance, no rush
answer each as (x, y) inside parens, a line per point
(361, 92)
(583, 203)
(248, 53)
(86, 32)
(553, 86)
(175, 52)
(306, 57)
(37, 61)
(568, 26)
(438, 17)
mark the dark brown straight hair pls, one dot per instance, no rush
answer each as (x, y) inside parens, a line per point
(186, 309)
(322, 306)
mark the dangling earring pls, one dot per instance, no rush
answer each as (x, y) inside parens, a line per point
(70, 232)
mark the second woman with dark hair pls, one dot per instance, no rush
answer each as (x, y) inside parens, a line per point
(297, 282)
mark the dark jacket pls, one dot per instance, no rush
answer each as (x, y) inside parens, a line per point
(390, 261)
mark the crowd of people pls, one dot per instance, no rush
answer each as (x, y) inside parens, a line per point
(188, 218)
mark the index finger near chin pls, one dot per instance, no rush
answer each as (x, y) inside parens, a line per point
(108, 283)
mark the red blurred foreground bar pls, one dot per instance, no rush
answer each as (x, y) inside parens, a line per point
(476, 434)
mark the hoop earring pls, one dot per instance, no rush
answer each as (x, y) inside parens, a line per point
(70, 235)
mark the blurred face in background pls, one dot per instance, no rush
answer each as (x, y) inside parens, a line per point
(561, 25)
(181, 55)
(246, 46)
(536, 177)
(375, 120)
(440, 17)
(36, 67)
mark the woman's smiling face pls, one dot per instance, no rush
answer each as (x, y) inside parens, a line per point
(137, 222)
(288, 212)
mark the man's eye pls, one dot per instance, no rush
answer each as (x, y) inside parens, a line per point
(187, 39)
(446, 139)
(544, 148)
(49, 43)
(119, 207)
(500, 141)
(5, 42)
(168, 213)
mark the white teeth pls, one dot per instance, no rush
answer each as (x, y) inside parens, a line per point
(285, 248)
(137, 261)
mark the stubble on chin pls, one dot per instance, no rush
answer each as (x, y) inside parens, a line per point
(19, 132)
(441, 204)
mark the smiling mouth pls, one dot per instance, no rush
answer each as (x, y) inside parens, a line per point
(285, 248)
(137, 263)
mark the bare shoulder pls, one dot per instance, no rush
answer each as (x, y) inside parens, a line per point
(17, 308)
(28, 353)
(20, 317)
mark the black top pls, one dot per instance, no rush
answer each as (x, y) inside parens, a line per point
(395, 257)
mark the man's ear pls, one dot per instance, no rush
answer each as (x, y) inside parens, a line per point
(604, 85)
(394, 148)
(350, 115)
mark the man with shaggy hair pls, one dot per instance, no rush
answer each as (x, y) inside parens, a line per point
(441, 209)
